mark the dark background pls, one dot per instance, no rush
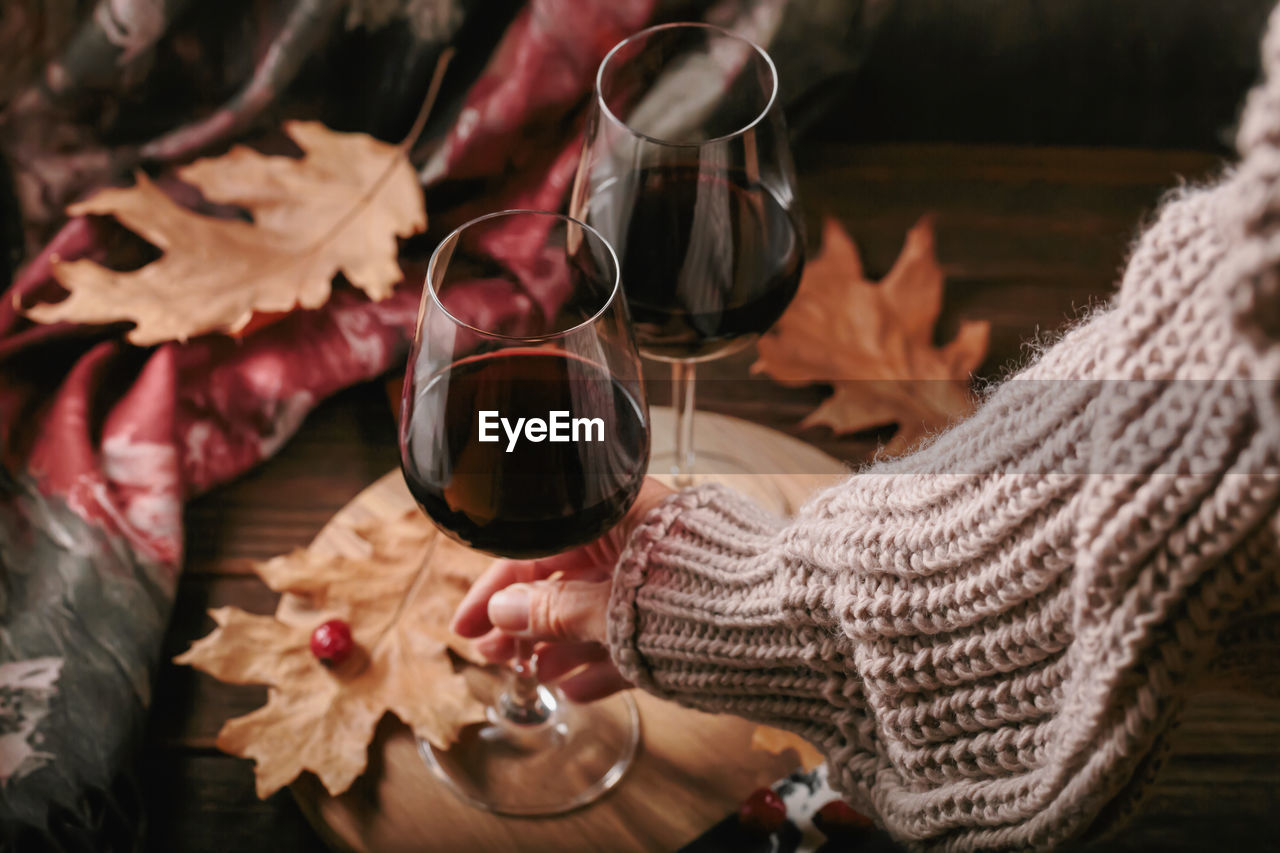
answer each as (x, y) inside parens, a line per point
(1150, 73)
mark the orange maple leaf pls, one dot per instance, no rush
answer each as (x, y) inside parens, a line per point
(874, 342)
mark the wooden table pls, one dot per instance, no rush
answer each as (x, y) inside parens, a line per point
(1028, 237)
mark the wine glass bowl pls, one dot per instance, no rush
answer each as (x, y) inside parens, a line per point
(686, 171)
(735, 85)
(550, 342)
(524, 432)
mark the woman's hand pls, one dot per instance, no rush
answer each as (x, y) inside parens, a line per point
(559, 603)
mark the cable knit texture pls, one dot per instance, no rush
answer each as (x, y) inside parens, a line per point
(990, 638)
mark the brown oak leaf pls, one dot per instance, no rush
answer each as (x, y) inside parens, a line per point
(398, 600)
(337, 209)
(874, 342)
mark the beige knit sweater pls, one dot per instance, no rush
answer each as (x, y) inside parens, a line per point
(989, 638)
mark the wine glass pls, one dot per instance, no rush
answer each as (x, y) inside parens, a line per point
(524, 432)
(686, 171)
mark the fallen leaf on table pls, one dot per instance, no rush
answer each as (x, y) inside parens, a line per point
(337, 209)
(777, 741)
(874, 342)
(398, 607)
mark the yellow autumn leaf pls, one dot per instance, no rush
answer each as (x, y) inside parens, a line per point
(398, 607)
(337, 209)
(874, 342)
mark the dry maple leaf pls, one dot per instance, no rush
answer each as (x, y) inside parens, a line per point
(874, 342)
(778, 741)
(338, 208)
(398, 607)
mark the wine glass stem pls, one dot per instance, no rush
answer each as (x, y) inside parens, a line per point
(683, 385)
(521, 702)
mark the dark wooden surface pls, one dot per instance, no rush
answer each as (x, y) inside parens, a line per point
(1029, 238)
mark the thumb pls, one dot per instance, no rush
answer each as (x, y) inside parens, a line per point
(552, 610)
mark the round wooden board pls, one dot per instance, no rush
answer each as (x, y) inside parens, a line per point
(692, 768)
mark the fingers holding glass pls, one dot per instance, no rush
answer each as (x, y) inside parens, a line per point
(471, 619)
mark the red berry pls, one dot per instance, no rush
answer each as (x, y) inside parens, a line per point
(331, 642)
(763, 811)
(838, 817)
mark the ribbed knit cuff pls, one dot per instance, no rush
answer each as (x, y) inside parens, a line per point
(708, 610)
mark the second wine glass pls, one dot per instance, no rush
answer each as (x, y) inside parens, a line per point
(686, 171)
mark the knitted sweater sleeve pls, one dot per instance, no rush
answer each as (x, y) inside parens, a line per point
(987, 638)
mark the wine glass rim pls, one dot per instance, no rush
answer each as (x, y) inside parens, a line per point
(453, 236)
(648, 31)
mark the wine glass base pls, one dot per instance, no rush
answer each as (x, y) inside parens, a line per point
(713, 467)
(564, 763)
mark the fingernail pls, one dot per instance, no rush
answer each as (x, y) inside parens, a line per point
(509, 609)
(490, 647)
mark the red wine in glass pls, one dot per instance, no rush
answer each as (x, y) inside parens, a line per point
(698, 291)
(517, 495)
